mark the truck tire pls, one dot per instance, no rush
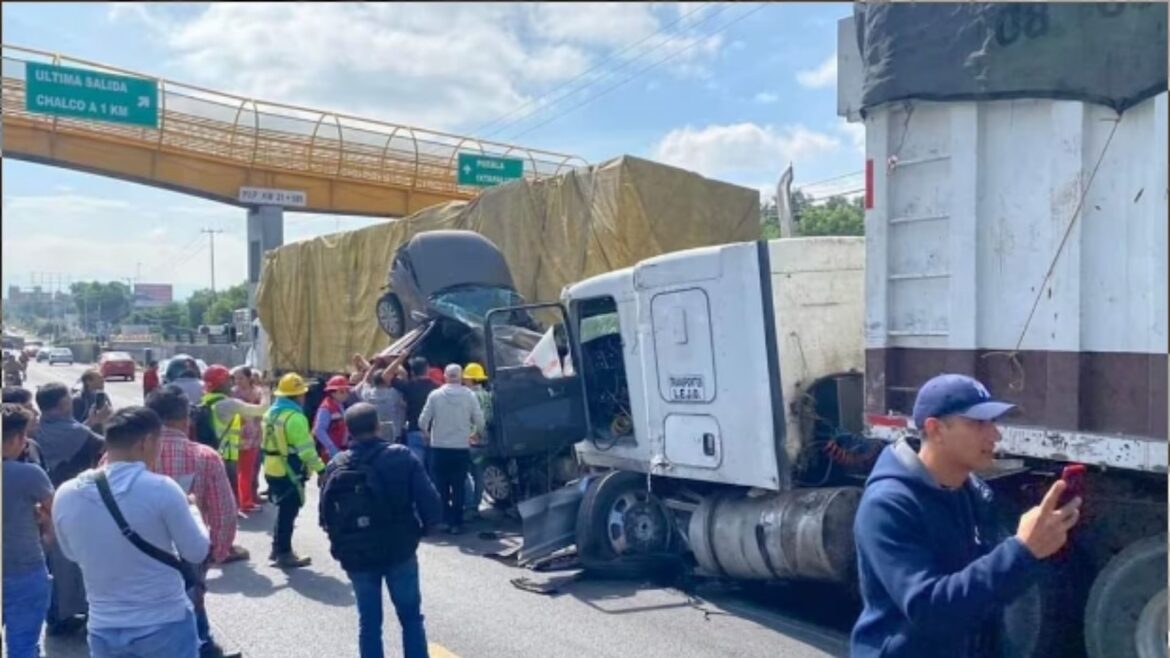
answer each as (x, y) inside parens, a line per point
(1126, 613)
(623, 530)
(1038, 623)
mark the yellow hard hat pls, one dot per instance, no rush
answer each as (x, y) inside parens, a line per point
(474, 372)
(291, 386)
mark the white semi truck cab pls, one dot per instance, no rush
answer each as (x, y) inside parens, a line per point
(729, 376)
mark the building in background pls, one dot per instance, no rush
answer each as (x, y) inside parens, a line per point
(153, 295)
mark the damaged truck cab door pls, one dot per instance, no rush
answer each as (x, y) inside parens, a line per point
(538, 405)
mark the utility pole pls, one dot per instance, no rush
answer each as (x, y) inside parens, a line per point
(211, 237)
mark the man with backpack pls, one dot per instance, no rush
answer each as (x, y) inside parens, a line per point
(376, 503)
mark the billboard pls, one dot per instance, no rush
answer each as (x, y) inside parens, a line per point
(148, 295)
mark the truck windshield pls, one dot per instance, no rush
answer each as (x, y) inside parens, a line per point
(603, 368)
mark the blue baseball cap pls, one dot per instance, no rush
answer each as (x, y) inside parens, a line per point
(956, 395)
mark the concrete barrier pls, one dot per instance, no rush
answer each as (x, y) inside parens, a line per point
(83, 352)
(227, 355)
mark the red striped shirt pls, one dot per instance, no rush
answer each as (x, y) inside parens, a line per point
(186, 461)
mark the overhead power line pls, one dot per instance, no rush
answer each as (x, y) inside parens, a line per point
(638, 73)
(591, 69)
(553, 102)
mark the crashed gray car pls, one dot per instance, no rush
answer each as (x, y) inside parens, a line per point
(442, 284)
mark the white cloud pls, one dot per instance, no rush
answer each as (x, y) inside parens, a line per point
(766, 97)
(743, 151)
(855, 132)
(443, 66)
(613, 24)
(822, 76)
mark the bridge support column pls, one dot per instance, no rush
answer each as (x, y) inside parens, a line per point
(265, 232)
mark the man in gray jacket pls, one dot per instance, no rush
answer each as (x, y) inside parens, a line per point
(450, 417)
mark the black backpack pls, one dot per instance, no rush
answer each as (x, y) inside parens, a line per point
(354, 512)
(203, 426)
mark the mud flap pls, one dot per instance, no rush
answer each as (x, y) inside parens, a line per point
(549, 522)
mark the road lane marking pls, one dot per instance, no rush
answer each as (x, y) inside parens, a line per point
(439, 651)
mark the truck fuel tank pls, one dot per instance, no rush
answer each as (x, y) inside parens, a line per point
(800, 534)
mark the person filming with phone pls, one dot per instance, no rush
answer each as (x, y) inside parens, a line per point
(934, 577)
(92, 405)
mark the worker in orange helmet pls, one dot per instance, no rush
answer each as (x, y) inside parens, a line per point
(329, 424)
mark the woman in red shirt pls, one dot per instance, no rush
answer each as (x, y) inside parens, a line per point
(250, 439)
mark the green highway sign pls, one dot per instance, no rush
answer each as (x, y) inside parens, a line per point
(84, 94)
(487, 170)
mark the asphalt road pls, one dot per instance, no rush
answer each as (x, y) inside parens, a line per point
(472, 609)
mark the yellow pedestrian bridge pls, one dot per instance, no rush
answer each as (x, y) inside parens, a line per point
(211, 144)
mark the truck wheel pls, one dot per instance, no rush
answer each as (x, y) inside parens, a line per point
(497, 484)
(1036, 625)
(621, 525)
(1126, 613)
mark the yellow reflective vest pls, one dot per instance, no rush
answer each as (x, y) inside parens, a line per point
(286, 433)
(229, 432)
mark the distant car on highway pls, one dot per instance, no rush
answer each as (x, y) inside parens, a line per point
(117, 364)
(43, 354)
(60, 355)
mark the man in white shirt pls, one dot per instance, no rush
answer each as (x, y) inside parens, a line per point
(137, 604)
(448, 420)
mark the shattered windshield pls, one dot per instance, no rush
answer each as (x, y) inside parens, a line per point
(470, 304)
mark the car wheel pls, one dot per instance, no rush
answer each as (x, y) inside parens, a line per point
(390, 315)
(497, 484)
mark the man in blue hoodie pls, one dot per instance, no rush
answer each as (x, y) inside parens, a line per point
(934, 578)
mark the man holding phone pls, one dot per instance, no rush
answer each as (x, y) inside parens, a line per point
(91, 405)
(934, 578)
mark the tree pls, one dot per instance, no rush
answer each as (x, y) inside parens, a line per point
(204, 307)
(769, 221)
(836, 216)
(225, 305)
(110, 302)
(169, 319)
(197, 305)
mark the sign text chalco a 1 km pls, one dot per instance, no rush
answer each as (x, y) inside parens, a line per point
(84, 94)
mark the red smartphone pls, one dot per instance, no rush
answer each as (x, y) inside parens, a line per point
(1074, 477)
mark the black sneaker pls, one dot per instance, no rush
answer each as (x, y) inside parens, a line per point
(291, 560)
(213, 650)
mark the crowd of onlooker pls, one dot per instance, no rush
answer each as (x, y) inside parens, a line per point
(112, 518)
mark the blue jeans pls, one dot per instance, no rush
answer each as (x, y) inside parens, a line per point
(177, 639)
(402, 581)
(418, 446)
(26, 602)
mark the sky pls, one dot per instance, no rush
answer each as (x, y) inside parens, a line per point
(734, 92)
